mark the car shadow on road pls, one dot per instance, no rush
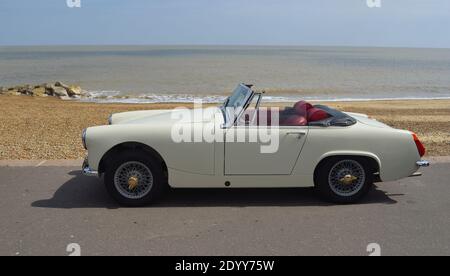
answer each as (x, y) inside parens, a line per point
(89, 192)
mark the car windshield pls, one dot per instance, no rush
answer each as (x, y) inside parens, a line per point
(239, 97)
(235, 104)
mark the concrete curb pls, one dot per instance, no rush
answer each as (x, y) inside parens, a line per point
(41, 163)
(79, 162)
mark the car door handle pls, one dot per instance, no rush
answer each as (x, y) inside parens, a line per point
(298, 133)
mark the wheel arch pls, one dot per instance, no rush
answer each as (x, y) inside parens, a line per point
(132, 146)
(371, 158)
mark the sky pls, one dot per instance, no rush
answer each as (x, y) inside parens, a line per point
(397, 23)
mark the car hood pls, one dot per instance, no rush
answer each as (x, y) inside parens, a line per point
(164, 116)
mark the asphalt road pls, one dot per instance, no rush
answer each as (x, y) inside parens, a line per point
(43, 209)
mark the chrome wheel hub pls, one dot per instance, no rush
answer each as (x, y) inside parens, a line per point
(133, 180)
(346, 178)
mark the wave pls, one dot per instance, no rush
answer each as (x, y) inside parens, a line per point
(118, 97)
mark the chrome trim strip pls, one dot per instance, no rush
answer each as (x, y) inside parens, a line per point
(423, 163)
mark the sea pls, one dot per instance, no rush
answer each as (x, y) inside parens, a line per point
(158, 74)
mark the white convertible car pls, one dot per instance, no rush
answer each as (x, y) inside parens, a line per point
(243, 145)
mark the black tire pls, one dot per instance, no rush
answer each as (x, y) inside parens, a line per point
(324, 186)
(124, 157)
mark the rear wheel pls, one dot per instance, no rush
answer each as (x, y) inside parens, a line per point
(344, 179)
(134, 179)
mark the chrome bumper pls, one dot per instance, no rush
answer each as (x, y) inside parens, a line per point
(423, 163)
(87, 170)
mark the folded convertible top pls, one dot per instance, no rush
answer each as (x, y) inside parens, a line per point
(337, 118)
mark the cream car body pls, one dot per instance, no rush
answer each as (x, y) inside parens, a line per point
(219, 164)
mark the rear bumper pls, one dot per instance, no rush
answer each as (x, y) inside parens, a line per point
(423, 163)
(87, 170)
(420, 164)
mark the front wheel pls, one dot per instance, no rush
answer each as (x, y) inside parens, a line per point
(344, 179)
(134, 179)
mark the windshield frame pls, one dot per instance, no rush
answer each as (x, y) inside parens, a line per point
(241, 88)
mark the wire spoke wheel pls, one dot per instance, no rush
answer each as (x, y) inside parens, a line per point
(133, 180)
(346, 178)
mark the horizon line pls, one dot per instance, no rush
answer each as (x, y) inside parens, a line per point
(220, 45)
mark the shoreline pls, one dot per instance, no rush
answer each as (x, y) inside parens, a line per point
(76, 93)
(220, 98)
(138, 100)
(47, 128)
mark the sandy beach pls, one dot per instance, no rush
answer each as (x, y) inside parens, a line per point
(50, 128)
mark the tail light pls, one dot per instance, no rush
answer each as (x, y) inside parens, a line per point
(419, 145)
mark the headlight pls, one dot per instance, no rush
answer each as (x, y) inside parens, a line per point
(110, 120)
(83, 138)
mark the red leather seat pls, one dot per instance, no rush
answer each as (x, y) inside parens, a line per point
(302, 107)
(316, 114)
(294, 120)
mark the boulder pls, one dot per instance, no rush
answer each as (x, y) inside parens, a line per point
(39, 91)
(74, 90)
(49, 89)
(26, 89)
(59, 92)
(3, 90)
(58, 89)
(61, 84)
(12, 92)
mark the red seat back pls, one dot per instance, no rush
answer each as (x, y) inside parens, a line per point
(302, 107)
(316, 114)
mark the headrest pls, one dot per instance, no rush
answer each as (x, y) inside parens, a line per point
(302, 107)
(316, 114)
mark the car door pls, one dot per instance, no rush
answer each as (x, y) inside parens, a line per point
(275, 154)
